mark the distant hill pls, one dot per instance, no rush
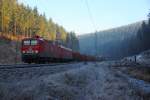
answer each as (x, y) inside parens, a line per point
(110, 43)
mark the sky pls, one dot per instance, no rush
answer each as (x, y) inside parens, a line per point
(87, 16)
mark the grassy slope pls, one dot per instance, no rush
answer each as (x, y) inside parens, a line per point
(8, 51)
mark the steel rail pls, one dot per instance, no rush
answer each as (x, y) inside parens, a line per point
(15, 66)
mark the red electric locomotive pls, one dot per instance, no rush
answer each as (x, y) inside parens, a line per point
(39, 50)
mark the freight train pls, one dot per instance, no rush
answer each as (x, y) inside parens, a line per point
(40, 50)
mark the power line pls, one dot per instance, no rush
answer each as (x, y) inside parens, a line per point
(94, 26)
(90, 14)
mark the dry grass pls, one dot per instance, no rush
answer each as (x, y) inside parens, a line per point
(140, 73)
(8, 51)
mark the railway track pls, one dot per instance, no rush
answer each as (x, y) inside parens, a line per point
(130, 65)
(13, 73)
(16, 66)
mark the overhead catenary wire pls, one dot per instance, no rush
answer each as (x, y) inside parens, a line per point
(93, 24)
(90, 14)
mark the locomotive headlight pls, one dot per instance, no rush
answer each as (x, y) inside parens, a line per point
(23, 51)
(36, 51)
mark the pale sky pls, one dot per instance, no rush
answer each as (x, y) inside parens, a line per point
(73, 15)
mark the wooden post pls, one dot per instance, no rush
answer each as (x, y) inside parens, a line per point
(135, 58)
(15, 34)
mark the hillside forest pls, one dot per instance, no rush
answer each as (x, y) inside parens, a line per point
(118, 42)
(18, 20)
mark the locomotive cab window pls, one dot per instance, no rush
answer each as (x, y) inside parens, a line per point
(34, 42)
(26, 42)
(30, 42)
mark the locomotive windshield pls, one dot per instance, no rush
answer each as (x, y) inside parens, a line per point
(30, 42)
(33, 42)
(26, 42)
